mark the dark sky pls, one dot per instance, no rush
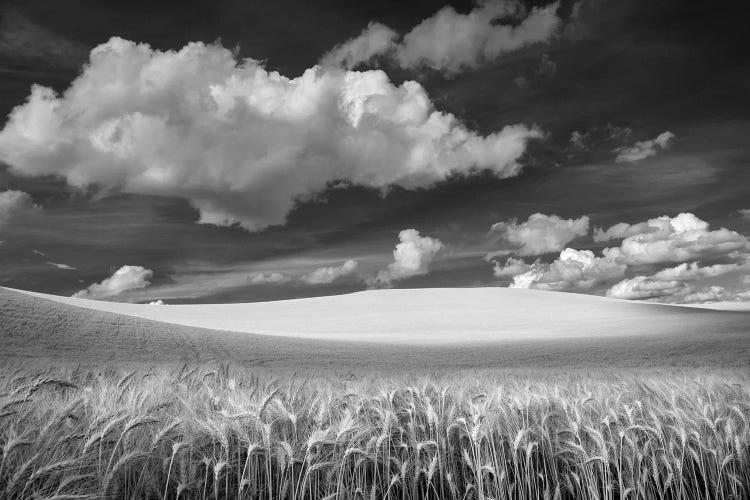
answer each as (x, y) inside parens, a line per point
(616, 72)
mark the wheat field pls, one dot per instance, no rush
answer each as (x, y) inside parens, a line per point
(198, 433)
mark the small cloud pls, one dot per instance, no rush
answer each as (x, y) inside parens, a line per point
(124, 279)
(37, 252)
(541, 233)
(644, 149)
(61, 266)
(598, 137)
(694, 271)
(156, 303)
(644, 287)
(412, 257)
(744, 213)
(268, 278)
(512, 267)
(325, 275)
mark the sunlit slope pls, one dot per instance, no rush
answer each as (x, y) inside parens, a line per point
(398, 329)
(435, 316)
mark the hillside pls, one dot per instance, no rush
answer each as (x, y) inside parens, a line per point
(405, 328)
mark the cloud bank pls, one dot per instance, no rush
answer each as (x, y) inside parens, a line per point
(412, 257)
(451, 42)
(682, 238)
(241, 143)
(541, 233)
(124, 279)
(644, 149)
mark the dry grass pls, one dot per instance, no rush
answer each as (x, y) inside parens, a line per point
(192, 433)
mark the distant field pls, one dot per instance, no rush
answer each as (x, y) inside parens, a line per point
(641, 336)
(469, 434)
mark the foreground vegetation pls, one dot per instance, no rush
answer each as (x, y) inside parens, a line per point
(222, 433)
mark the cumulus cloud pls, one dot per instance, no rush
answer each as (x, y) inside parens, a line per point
(541, 233)
(412, 257)
(694, 271)
(644, 287)
(124, 279)
(156, 303)
(744, 213)
(325, 275)
(241, 143)
(512, 267)
(669, 291)
(268, 278)
(682, 238)
(644, 149)
(449, 41)
(16, 205)
(61, 266)
(572, 270)
(708, 294)
(676, 284)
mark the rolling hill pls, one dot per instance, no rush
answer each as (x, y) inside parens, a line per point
(437, 328)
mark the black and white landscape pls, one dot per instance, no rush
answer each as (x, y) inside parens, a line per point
(404, 250)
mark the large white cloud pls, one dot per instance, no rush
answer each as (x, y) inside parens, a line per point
(449, 41)
(16, 205)
(682, 238)
(124, 279)
(325, 275)
(241, 143)
(572, 270)
(541, 233)
(411, 257)
(643, 149)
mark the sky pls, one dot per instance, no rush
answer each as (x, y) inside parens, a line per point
(188, 152)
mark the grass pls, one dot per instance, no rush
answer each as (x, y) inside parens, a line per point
(228, 433)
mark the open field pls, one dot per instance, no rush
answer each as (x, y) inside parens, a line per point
(611, 400)
(231, 433)
(533, 331)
